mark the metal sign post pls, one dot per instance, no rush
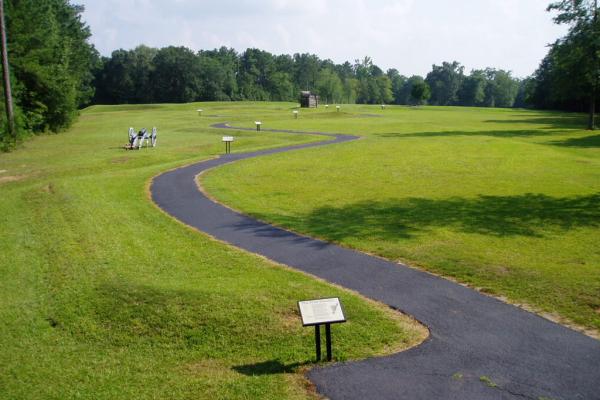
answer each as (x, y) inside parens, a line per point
(328, 340)
(227, 140)
(318, 341)
(322, 312)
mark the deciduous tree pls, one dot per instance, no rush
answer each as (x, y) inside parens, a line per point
(582, 45)
(419, 91)
(445, 80)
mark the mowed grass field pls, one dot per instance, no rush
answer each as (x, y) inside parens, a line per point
(103, 296)
(507, 201)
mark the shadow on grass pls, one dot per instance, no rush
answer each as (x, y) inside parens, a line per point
(499, 134)
(269, 368)
(124, 313)
(548, 125)
(525, 215)
(132, 313)
(562, 121)
(125, 107)
(585, 142)
(261, 229)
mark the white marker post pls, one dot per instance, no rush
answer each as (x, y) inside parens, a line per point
(383, 106)
(258, 124)
(295, 114)
(227, 140)
(326, 106)
(199, 112)
(337, 108)
(318, 312)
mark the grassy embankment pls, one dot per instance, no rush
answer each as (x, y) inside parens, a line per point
(105, 297)
(507, 201)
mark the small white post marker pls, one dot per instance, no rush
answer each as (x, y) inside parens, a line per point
(199, 112)
(258, 124)
(295, 114)
(326, 105)
(383, 106)
(337, 108)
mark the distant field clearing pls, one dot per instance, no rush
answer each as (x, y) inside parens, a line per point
(504, 200)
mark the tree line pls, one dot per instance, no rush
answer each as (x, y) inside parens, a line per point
(51, 65)
(178, 74)
(568, 77)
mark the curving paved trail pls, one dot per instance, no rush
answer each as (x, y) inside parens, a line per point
(479, 347)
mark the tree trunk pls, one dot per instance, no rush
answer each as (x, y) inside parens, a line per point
(6, 75)
(592, 116)
(595, 71)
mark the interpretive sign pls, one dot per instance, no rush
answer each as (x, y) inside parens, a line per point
(322, 311)
(228, 140)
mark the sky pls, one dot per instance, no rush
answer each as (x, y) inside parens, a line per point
(409, 35)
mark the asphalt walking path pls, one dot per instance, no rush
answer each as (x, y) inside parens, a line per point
(479, 347)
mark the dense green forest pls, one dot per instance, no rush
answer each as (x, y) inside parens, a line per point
(177, 74)
(568, 77)
(51, 65)
(55, 71)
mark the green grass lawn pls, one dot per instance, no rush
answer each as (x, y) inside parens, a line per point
(103, 296)
(507, 201)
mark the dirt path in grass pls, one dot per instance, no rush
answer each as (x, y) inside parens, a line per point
(479, 347)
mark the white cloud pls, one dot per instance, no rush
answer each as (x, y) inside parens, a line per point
(405, 34)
